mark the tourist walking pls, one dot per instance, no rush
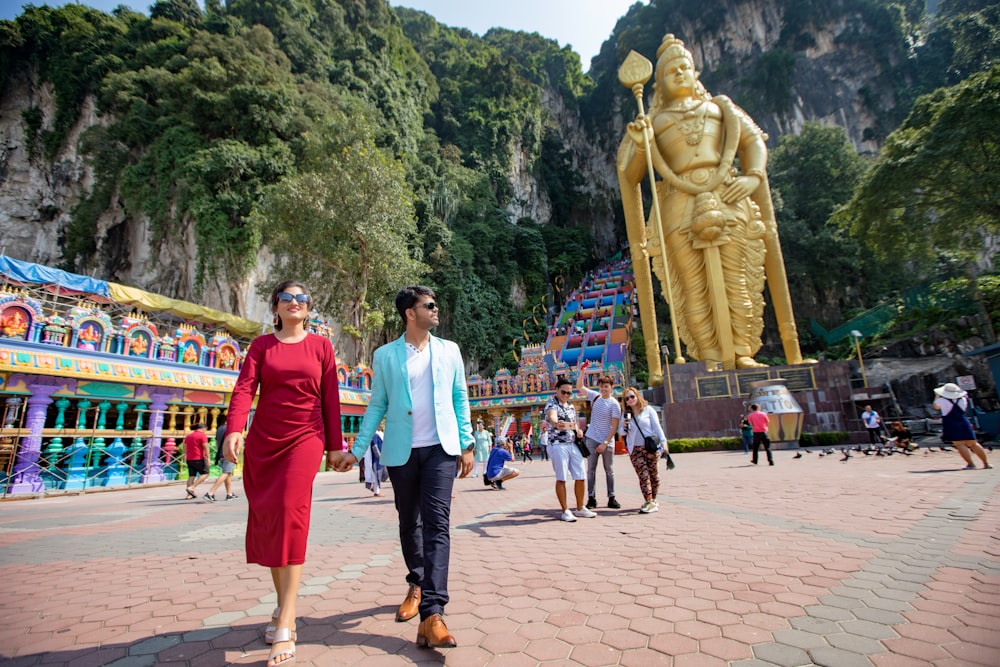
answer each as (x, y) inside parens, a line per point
(196, 457)
(759, 421)
(605, 415)
(483, 441)
(953, 401)
(526, 449)
(297, 418)
(419, 389)
(227, 468)
(543, 443)
(644, 440)
(567, 460)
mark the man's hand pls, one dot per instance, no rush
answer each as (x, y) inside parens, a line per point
(467, 461)
(340, 461)
(601, 447)
(231, 446)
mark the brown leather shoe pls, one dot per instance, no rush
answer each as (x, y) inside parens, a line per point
(410, 606)
(433, 633)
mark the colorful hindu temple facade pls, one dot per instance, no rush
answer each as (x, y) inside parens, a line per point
(594, 326)
(99, 389)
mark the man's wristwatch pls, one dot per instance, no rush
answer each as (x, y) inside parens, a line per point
(471, 448)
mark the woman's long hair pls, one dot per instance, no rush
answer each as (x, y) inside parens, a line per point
(273, 301)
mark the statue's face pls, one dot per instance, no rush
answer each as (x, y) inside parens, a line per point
(679, 78)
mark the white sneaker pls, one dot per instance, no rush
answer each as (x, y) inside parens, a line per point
(567, 516)
(645, 509)
(585, 513)
(653, 507)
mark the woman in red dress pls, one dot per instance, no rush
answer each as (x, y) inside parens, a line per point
(297, 418)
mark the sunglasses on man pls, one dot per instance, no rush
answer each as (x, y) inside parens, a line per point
(430, 305)
(286, 297)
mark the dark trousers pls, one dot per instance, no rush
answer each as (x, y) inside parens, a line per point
(875, 435)
(758, 439)
(422, 487)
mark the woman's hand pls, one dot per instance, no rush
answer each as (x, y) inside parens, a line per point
(232, 446)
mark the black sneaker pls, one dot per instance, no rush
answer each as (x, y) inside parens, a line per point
(498, 485)
(486, 481)
(614, 504)
(231, 496)
(591, 502)
(209, 497)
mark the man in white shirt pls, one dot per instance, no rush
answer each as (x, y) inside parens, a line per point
(419, 388)
(873, 424)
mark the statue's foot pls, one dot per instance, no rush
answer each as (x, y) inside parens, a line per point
(748, 362)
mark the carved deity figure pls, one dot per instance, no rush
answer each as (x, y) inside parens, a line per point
(717, 220)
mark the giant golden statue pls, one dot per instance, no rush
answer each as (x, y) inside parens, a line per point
(715, 220)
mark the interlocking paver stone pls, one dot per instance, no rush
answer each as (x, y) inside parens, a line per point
(781, 654)
(799, 639)
(817, 565)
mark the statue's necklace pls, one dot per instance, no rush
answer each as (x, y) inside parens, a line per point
(692, 122)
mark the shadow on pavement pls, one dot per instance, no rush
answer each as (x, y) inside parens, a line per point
(244, 645)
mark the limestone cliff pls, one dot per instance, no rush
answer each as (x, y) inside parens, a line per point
(836, 78)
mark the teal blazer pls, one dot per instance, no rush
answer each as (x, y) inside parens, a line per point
(391, 399)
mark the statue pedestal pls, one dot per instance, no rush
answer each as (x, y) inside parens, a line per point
(710, 403)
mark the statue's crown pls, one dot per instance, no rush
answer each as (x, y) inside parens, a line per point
(672, 48)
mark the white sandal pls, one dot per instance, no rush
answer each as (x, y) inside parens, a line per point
(272, 626)
(282, 635)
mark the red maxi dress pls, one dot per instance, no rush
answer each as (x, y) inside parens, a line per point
(297, 418)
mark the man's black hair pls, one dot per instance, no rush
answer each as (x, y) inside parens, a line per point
(407, 297)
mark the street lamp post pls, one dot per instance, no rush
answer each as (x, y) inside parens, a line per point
(857, 336)
(665, 349)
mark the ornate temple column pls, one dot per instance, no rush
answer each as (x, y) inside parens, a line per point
(26, 476)
(154, 466)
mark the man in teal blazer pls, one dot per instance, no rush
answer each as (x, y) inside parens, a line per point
(419, 389)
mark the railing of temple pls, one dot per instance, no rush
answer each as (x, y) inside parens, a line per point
(100, 446)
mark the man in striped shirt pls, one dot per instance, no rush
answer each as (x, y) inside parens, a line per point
(605, 414)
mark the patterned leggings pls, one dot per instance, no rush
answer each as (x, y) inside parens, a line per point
(647, 470)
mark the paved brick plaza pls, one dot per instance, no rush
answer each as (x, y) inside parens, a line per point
(891, 561)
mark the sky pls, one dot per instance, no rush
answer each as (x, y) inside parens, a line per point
(583, 24)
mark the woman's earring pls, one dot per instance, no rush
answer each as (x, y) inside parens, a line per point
(276, 319)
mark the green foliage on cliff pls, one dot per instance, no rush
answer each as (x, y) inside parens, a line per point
(209, 120)
(935, 188)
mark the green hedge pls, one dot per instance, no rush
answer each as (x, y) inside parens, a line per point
(824, 438)
(704, 444)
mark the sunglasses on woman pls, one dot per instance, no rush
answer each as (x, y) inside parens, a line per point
(286, 297)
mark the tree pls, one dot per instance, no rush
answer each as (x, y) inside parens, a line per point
(935, 186)
(346, 224)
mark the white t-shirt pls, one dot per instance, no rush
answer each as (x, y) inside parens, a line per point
(945, 405)
(418, 365)
(871, 418)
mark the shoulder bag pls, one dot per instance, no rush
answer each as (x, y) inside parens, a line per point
(651, 444)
